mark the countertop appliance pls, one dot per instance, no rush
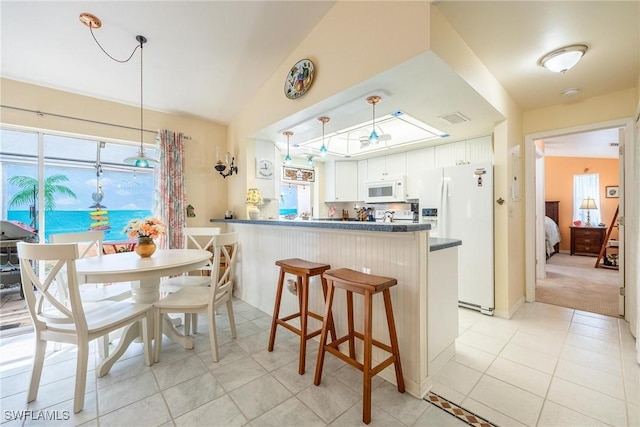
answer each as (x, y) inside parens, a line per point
(390, 190)
(458, 202)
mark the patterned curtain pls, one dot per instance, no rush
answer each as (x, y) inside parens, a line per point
(169, 187)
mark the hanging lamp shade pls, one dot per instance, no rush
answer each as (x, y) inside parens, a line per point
(323, 149)
(373, 136)
(287, 159)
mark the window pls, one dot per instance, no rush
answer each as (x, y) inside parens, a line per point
(295, 200)
(72, 180)
(586, 186)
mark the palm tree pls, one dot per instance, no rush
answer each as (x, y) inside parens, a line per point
(29, 192)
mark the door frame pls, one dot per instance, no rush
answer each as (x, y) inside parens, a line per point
(531, 207)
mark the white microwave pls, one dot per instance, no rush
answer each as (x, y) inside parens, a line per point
(386, 191)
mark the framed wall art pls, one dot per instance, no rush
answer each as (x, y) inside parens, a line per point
(611, 191)
(298, 174)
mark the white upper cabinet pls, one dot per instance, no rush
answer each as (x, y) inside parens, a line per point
(341, 183)
(380, 168)
(418, 161)
(479, 150)
(474, 150)
(450, 154)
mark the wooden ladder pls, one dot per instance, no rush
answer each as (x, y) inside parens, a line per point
(606, 241)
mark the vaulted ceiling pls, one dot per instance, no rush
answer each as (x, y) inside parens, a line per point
(208, 58)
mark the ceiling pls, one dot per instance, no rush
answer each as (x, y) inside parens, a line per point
(228, 50)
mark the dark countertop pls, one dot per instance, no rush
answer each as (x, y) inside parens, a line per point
(393, 227)
(439, 243)
(435, 243)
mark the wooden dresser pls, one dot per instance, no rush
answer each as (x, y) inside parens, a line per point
(587, 240)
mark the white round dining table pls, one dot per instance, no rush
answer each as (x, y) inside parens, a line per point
(144, 275)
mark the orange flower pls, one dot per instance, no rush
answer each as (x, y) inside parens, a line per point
(148, 227)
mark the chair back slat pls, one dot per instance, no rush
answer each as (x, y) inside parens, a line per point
(48, 304)
(200, 238)
(225, 252)
(90, 240)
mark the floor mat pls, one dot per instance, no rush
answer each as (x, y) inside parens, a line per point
(458, 412)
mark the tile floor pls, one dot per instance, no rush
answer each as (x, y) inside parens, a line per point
(548, 366)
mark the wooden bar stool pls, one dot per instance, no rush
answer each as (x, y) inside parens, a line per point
(303, 270)
(367, 285)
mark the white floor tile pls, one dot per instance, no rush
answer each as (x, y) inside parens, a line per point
(472, 357)
(291, 413)
(490, 414)
(259, 396)
(580, 356)
(554, 415)
(457, 376)
(499, 372)
(507, 399)
(192, 393)
(531, 358)
(591, 377)
(482, 342)
(588, 402)
(220, 412)
(548, 343)
(520, 376)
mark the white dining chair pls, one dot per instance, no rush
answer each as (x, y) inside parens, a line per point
(90, 244)
(193, 238)
(193, 300)
(63, 316)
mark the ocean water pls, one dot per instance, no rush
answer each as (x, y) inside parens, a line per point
(69, 221)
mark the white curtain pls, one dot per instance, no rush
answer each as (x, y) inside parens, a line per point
(586, 186)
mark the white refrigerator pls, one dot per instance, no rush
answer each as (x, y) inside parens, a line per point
(464, 199)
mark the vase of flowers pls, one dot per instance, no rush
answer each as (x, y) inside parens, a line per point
(145, 230)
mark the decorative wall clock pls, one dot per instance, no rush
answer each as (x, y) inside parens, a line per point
(299, 79)
(264, 169)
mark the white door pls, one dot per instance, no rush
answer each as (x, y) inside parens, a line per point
(469, 210)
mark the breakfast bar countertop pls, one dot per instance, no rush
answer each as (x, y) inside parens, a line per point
(435, 243)
(393, 227)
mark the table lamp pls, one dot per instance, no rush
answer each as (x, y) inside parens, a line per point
(254, 199)
(588, 204)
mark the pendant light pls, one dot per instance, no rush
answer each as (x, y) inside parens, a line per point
(92, 21)
(287, 159)
(310, 160)
(323, 149)
(373, 137)
(140, 160)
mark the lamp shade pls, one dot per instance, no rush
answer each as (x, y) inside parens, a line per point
(588, 203)
(563, 59)
(254, 197)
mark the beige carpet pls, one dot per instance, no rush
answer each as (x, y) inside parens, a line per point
(574, 282)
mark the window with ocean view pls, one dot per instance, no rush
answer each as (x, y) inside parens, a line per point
(85, 183)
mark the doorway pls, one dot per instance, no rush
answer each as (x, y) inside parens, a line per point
(562, 267)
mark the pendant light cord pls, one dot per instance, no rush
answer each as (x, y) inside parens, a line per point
(107, 53)
(142, 40)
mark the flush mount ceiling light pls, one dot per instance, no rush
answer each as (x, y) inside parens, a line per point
(287, 159)
(563, 59)
(373, 137)
(92, 21)
(323, 149)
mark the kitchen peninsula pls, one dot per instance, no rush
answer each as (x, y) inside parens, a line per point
(425, 302)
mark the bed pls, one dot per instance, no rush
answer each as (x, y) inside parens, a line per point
(551, 229)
